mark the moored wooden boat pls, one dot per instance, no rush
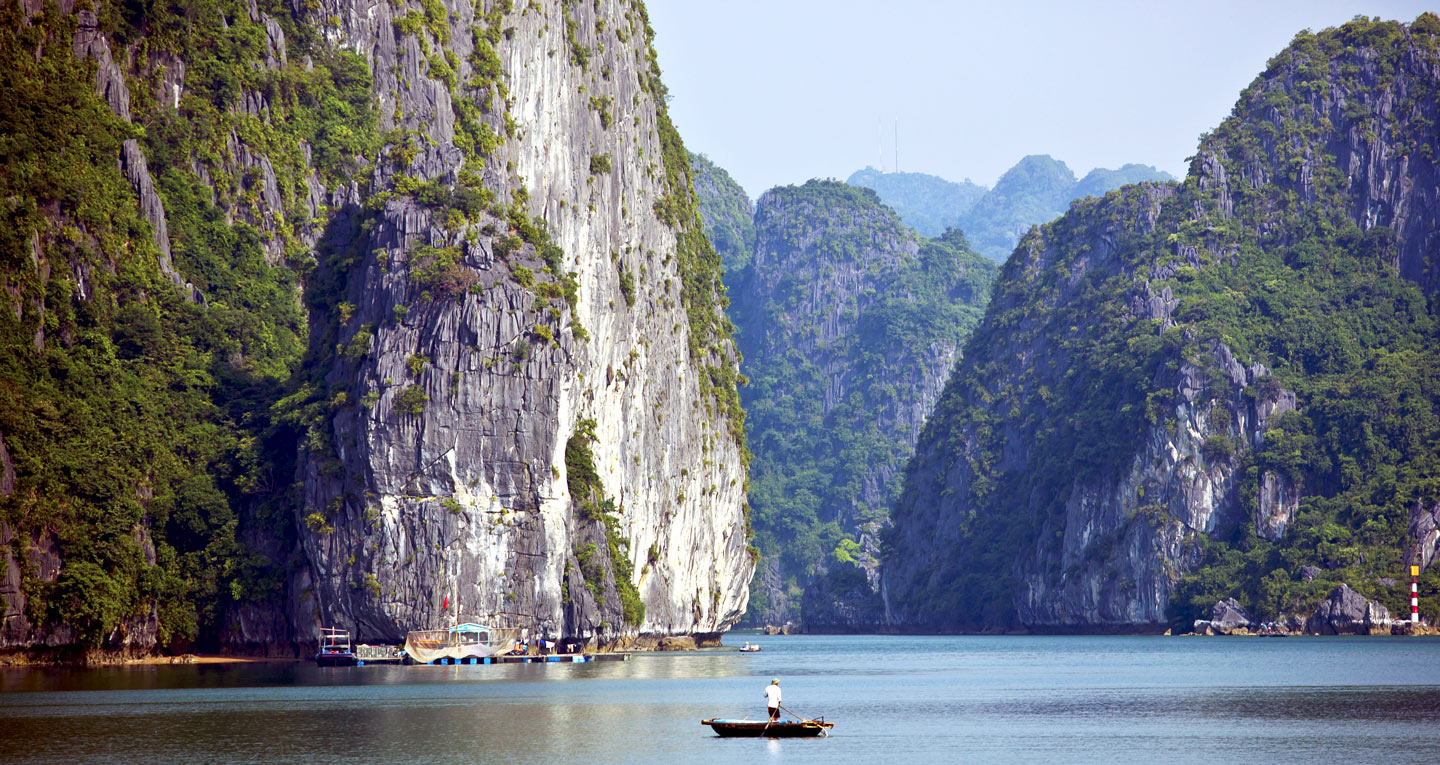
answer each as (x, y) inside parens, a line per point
(335, 649)
(762, 729)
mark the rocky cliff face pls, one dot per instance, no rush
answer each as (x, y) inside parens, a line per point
(848, 324)
(454, 473)
(1132, 433)
(518, 390)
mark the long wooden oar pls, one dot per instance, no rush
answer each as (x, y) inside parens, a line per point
(802, 720)
(792, 714)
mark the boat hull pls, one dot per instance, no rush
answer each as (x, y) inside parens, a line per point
(336, 659)
(762, 729)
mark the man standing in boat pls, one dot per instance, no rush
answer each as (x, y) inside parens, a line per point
(772, 699)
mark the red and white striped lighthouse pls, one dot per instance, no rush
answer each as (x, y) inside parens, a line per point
(1414, 595)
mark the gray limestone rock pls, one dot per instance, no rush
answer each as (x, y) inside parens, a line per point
(1229, 616)
(1279, 500)
(1424, 534)
(1347, 612)
(7, 470)
(1105, 552)
(842, 601)
(91, 43)
(444, 471)
(42, 562)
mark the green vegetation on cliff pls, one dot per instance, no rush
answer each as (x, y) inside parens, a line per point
(1325, 305)
(139, 423)
(702, 286)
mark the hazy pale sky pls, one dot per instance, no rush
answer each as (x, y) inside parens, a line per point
(781, 91)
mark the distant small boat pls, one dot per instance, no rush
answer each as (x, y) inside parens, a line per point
(747, 648)
(335, 649)
(762, 729)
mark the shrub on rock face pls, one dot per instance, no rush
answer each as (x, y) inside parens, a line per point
(411, 400)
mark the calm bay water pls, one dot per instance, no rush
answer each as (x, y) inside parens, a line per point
(908, 699)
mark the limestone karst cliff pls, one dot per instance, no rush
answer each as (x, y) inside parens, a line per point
(459, 474)
(400, 304)
(1225, 388)
(849, 324)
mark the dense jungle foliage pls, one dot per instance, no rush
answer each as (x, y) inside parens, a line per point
(1064, 366)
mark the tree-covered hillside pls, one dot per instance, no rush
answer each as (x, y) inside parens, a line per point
(1225, 389)
(849, 324)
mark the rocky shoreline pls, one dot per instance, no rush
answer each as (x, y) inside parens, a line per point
(1345, 612)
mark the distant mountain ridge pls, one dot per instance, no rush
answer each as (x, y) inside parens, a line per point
(1038, 189)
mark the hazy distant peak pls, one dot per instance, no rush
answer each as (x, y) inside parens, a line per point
(1036, 189)
(1037, 175)
(1100, 180)
(927, 203)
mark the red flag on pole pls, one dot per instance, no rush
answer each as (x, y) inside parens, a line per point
(446, 604)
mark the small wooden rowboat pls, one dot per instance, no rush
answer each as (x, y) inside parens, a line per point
(760, 728)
